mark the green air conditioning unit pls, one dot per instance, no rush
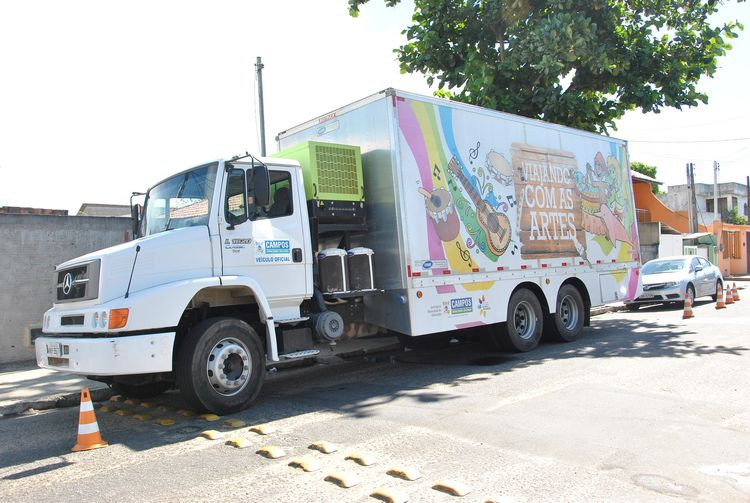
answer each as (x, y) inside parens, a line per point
(333, 180)
(332, 172)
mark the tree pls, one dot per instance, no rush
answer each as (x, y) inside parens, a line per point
(648, 170)
(733, 217)
(582, 63)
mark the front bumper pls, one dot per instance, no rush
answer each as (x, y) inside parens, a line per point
(107, 356)
(673, 294)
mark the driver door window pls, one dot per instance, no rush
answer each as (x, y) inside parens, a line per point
(280, 202)
(235, 207)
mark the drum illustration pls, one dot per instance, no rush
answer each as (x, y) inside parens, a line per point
(439, 205)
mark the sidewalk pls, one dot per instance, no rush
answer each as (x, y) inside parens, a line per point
(24, 386)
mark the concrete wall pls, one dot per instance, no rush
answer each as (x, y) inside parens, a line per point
(30, 247)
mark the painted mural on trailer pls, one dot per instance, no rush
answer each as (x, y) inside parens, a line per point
(492, 195)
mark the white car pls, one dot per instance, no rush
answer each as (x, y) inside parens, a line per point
(667, 280)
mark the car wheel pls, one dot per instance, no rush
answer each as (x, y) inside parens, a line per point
(715, 296)
(221, 366)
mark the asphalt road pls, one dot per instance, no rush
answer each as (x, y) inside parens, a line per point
(645, 407)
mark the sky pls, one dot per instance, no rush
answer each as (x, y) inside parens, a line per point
(99, 99)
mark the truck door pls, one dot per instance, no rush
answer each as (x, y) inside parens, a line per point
(267, 245)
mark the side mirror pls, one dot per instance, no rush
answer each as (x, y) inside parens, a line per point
(261, 185)
(135, 215)
(698, 268)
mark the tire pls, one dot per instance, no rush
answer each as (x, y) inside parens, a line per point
(147, 390)
(567, 321)
(632, 307)
(523, 329)
(715, 297)
(691, 293)
(221, 366)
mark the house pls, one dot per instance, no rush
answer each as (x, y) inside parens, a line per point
(731, 195)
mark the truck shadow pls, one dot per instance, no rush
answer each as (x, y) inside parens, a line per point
(356, 389)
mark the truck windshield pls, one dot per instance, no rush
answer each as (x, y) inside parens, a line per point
(181, 201)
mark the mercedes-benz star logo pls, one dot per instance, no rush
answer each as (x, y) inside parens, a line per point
(67, 283)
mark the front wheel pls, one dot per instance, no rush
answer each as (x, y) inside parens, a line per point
(523, 329)
(220, 366)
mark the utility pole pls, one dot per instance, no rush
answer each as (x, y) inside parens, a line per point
(261, 119)
(717, 213)
(692, 213)
(748, 199)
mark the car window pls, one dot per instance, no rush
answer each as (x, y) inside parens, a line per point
(705, 263)
(695, 262)
(280, 202)
(658, 266)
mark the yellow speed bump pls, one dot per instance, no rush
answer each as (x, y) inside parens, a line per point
(234, 423)
(263, 429)
(212, 434)
(165, 421)
(271, 452)
(186, 413)
(105, 408)
(323, 446)
(148, 405)
(362, 458)
(116, 398)
(238, 442)
(452, 487)
(209, 417)
(124, 412)
(129, 401)
(343, 479)
(306, 463)
(165, 408)
(390, 495)
(141, 417)
(404, 472)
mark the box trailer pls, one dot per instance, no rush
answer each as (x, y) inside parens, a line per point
(414, 216)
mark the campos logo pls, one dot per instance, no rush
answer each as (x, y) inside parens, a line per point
(461, 306)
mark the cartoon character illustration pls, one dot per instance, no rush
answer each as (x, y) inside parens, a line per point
(496, 226)
(439, 205)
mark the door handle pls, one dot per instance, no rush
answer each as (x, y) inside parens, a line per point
(296, 254)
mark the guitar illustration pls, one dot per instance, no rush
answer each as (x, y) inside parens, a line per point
(496, 226)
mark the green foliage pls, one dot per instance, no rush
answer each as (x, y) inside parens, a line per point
(648, 170)
(582, 63)
(733, 217)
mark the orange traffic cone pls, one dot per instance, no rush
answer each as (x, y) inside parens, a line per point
(735, 293)
(88, 429)
(730, 297)
(720, 297)
(688, 312)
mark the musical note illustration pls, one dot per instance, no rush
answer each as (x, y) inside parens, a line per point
(465, 255)
(474, 153)
(436, 172)
(482, 247)
(470, 243)
(452, 184)
(504, 206)
(513, 251)
(512, 201)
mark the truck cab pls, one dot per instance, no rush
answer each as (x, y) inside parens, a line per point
(227, 241)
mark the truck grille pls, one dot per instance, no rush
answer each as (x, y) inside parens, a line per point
(80, 282)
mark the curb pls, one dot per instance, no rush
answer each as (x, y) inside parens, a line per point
(596, 311)
(55, 401)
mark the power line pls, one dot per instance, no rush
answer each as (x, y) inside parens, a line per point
(690, 141)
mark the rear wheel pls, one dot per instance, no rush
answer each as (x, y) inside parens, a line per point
(220, 366)
(523, 329)
(567, 322)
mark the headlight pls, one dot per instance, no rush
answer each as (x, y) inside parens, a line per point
(671, 284)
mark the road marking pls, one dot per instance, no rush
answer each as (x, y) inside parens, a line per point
(271, 452)
(239, 442)
(141, 417)
(307, 463)
(404, 472)
(452, 487)
(343, 479)
(165, 421)
(147, 405)
(263, 429)
(390, 495)
(212, 434)
(186, 413)
(362, 458)
(209, 417)
(323, 446)
(234, 423)
(124, 412)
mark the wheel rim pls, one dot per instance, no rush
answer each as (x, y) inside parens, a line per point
(228, 366)
(524, 320)
(691, 295)
(568, 312)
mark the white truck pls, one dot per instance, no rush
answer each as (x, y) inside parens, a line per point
(417, 216)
